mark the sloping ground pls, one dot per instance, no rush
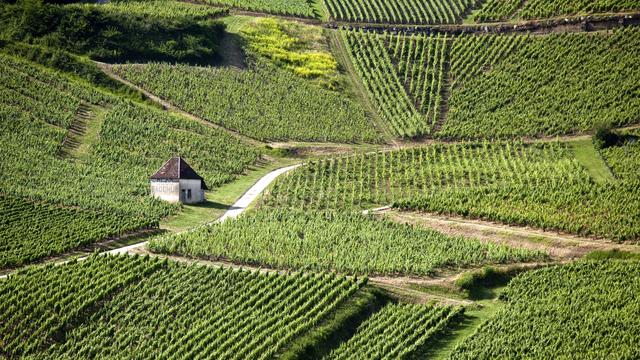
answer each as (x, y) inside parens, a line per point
(162, 309)
(559, 246)
(590, 158)
(586, 309)
(83, 132)
(108, 69)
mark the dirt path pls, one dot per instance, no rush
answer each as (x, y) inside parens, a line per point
(555, 24)
(445, 92)
(76, 132)
(559, 246)
(107, 68)
(558, 24)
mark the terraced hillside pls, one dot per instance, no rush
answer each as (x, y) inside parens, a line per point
(397, 179)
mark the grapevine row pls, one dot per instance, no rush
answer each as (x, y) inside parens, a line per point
(396, 332)
(345, 242)
(32, 231)
(36, 113)
(400, 11)
(169, 310)
(540, 185)
(585, 310)
(264, 102)
(544, 85)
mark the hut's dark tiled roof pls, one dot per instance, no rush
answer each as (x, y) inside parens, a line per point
(175, 169)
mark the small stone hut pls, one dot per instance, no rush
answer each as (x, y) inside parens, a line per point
(176, 181)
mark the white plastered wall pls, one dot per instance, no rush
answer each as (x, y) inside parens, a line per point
(166, 190)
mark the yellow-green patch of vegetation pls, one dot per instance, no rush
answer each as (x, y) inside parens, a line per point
(299, 48)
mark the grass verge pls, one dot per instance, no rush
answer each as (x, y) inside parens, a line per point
(587, 155)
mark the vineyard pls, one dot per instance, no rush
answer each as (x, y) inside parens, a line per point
(546, 8)
(624, 159)
(371, 180)
(497, 10)
(400, 11)
(539, 185)
(303, 8)
(37, 304)
(586, 310)
(264, 102)
(403, 76)
(338, 241)
(32, 231)
(37, 111)
(162, 309)
(396, 332)
(385, 179)
(501, 86)
(543, 85)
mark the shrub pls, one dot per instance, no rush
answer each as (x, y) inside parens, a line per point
(604, 137)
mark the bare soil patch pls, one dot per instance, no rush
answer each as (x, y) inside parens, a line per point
(559, 246)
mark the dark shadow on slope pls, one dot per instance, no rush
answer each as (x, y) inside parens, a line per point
(231, 51)
(338, 327)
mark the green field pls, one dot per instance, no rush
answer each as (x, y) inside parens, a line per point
(403, 77)
(31, 231)
(540, 185)
(400, 11)
(584, 310)
(544, 85)
(396, 331)
(501, 10)
(264, 102)
(343, 242)
(498, 86)
(161, 309)
(109, 179)
(384, 179)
